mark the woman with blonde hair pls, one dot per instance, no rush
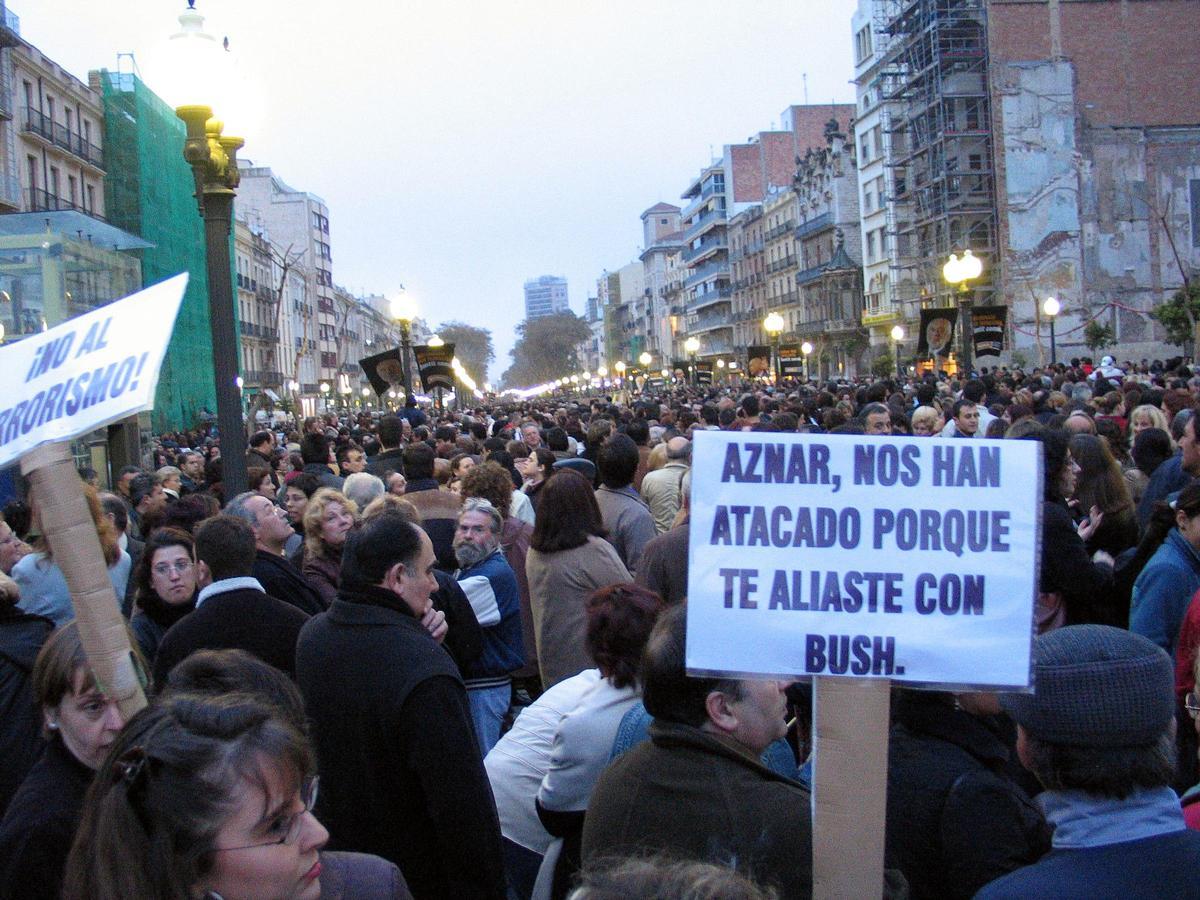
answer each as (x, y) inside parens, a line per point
(328, 519)
(44, 587)
(1147, 416)
(926, 422)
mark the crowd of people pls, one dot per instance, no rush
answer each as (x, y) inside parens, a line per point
(468, 628)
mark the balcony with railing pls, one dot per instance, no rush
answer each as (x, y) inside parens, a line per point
(262, 378)
(38, 123)
(711, 321)
(10, 27)
(720, 294)
(266, 293)
(779, 230)
(811, 274)
(814, 225)
(784, 262)
(261, 332)
(707, 247)
(707, 220)
(38, 200)
(708, 272)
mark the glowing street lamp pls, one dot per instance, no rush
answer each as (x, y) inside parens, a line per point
(773, 326)
(806, 348)
(404, 310)
(645, 359)
(960, 271)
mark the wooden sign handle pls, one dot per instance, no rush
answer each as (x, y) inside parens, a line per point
(67, 525)
(850, 727)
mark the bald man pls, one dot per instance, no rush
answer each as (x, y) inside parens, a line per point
(662, 488)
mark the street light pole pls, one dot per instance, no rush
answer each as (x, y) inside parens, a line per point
(1051, 308)
(773, 325)
(897, 337)
(806, 348)
(692, 346)
(213, 159)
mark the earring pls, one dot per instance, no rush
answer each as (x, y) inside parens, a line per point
(53, 726)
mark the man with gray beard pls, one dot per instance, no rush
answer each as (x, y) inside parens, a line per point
(491, 586)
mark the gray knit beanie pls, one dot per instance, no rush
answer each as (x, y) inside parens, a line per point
(1096, 686)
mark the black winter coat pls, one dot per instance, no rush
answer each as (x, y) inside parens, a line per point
(401, 772)
(954, 820)
(21, 637)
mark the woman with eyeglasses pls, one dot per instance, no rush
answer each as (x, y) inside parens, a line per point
(201, 796)
(79, 723)
(166, 586)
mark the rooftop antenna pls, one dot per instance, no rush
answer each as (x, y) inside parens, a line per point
(805, 77)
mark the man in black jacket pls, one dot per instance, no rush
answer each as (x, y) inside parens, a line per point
(391, 457)
(278, 577)
(232, 611)
(398, 758)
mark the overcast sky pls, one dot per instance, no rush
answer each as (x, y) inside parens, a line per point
(465, 147)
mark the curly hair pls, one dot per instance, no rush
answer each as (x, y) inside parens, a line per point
(315, 511)
(492, 482)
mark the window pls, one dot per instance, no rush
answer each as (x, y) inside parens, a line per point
(73, 190)
(862, 44)
(870, 246)
(67, 113)
(50, 108)
(28, 86)
(87, 131)
(90, 204)
(31, 167)
(662, 221)
(53, 181)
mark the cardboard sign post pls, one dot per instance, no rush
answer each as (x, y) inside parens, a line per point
(67, 525)
(76, 377)
(850, 739)
(858, 561)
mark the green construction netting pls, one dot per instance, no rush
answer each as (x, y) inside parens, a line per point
(148, 190)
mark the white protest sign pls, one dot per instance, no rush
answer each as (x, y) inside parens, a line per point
(87, 372)
(914, 559)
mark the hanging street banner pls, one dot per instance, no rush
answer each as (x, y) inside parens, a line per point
(384, 370)
(88, 372)
(758, 360)
(791, 361)
(914, 559)
(936, 337)
(704, 373)
(434, 366)
(987, 329)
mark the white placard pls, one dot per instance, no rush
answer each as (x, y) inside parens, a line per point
(88, 371)
(914, 559)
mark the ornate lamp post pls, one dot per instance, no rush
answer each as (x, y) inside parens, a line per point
(897, 337)
(958, 271)
(692, 346)
(213, 158)
(619, 368)
(773, 326)
(806, 348)
(325, 394)
(404, 310)
(1052, 308)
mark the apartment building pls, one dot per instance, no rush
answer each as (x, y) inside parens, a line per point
(662, 310)
(298, 222)
(545, 295)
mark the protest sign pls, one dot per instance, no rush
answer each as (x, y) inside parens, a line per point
(913, 559)
(987, 330)
(434, 366)
(87, 372)
(791, 361)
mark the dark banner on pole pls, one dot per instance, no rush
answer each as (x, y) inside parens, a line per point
(434, 366)
(384, 370)
(657, 383)
(791, 361)
(937, 331)
(704, 373)
(679, 368)
(759, 362)
(987, 329)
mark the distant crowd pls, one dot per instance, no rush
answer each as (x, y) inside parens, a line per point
(441, 654)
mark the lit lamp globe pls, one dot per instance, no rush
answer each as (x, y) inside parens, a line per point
(403, 306)
(324, 387)
(665, 373)
(806, 348)
(586, 376)
(720, 363)
(897, 333)
(602, 371)
(574, 379)
(366, 392)
(620, 367)
(435, 341)
(773, 324)
(1051, 307)
(644, 359)
(692, 345)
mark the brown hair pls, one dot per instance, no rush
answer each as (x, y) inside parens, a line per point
(315, 511)
(492, 482)
(567, 514)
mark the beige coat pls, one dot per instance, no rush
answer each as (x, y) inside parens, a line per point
(559, 585)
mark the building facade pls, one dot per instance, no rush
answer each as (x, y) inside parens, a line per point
(545, 295)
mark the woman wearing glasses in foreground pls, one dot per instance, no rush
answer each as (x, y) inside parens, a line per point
(202, 797)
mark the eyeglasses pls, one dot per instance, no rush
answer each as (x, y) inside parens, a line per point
(165, 569)
(1192, 704)
(287, 826)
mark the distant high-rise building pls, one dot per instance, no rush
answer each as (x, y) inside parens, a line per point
(545, 296)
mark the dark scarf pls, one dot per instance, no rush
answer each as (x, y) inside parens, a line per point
(163, 614)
